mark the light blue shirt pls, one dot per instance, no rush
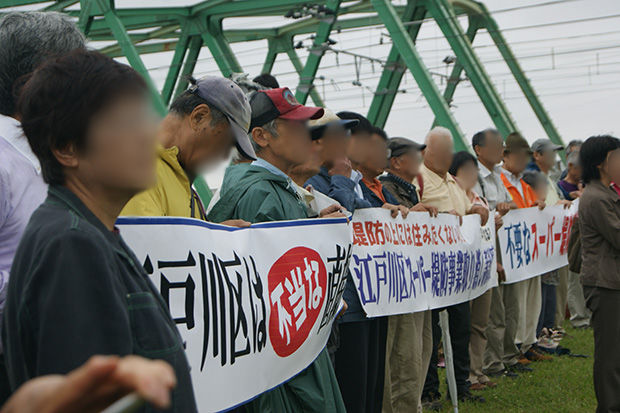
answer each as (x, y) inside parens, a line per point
(356, 177)
(22, 190)
(274, 170)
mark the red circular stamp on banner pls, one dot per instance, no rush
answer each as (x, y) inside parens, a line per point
(297, 283)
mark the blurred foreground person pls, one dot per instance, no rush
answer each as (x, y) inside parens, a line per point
(94, 386)
(77, 289)
(205, 122)
(599, 223)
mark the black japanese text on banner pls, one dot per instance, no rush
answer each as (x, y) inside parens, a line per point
(254, 306)
(534, 242)
(419, 263)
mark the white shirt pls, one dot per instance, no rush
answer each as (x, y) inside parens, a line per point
(491, 187)
(514, 180)
(356, 177)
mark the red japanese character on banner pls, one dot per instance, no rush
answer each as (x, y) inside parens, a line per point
(426, 237)
(359, 236)
(441, 240)
(297, 282)
(535, 247)
(388, 233)
(370, 231)
(379, 233)
(416, 235)
(566, 225)
(408, 234)
(402, 236)
(434, 234)
(449, 236)
(550, 237)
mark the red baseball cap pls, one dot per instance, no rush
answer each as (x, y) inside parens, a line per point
(271, 104)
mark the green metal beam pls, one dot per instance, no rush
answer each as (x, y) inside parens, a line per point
(211, 32)
(195, 44)
(270, 58)
(394, 69)
(412, 59)
(60, 5)
(130, 52)
(457, 69)
(522, 80)
(175, 68)
(316, 52)
(154, 34)
(287, 46)
(443, 13)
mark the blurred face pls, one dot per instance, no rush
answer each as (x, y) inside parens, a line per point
(311, 166)
(516, 161)
(358, 148)
(438, 154)
(407, 165)
(120, 152)
(493, 149)
(545, 159)
(541, 190)
(377, 155)
(611, 166)
(293, 143)
(468, 175)
(574, 171)
(211, 142)
(334, 144)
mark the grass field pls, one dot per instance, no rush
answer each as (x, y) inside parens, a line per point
(563, 385)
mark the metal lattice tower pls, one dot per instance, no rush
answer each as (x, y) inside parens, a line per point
(187, 29)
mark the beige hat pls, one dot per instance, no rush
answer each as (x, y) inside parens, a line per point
(317, 126)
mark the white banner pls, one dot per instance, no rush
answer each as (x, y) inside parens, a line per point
(253, 305)
(419, 263)
(534, 242)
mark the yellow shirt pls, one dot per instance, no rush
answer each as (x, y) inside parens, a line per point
(445, 194)
(172, 195)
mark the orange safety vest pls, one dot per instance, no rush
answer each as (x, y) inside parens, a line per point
(528, 198)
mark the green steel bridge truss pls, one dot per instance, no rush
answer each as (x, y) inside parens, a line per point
(185, 30)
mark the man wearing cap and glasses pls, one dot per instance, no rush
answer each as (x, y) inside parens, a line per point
(203, 125)
(409, 339)
(262, 191)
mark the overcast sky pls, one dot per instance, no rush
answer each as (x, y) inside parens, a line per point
(574, 68)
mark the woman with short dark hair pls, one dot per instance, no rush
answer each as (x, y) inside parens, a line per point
(76, 288)
(599, 224)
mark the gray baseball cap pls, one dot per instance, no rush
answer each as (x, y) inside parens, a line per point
(544, 145)
(227, 97)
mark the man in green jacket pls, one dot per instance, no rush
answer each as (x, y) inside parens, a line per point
(262, 191)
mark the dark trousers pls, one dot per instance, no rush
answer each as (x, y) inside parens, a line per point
(360, 364)
(605, 307)
(547, 310)
(460, 325)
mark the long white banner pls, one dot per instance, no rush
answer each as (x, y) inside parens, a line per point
(254, 305)
(534, 242)
(419, 263)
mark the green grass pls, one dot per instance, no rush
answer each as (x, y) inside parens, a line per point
(562, 385)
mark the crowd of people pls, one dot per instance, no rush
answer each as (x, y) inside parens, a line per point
(82, 325)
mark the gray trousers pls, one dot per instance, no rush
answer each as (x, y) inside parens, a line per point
(605, 307)
(579, 313)
(501, 350)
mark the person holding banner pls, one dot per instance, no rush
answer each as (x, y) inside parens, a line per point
(516, 155)
(261, 192)
(500, 352)
(544, 156)
(443, 192)
(76, 288)
(465, 169)
(409, 338)
(205, 122)
(599, 224)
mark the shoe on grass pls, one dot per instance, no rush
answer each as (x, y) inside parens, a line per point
(520, 368)
(468, 397)
(477, 387)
